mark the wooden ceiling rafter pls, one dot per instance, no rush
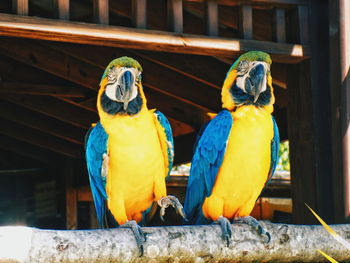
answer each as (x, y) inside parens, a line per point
(181, 65)
(47, 109)
(225, 21)
(48, 64)
(154, 88)
(179, 110)
(41, 122)
(171, 83)
(27, 150)
(31, 136)
(55, 108)
(12, 70)
(48, 29)
(41, 89)
(49, 60)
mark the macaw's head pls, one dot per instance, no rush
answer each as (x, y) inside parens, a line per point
(249, 82)
(120, 87)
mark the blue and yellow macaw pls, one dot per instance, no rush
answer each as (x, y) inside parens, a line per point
(237, 152)
(129, 152)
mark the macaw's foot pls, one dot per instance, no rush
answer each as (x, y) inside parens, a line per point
(225, 229)
(138, 233)
(251, 221)
(164, 202)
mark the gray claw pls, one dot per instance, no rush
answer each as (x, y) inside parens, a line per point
(251, 221)
(164, 203)
(139, 235)
(226, 230)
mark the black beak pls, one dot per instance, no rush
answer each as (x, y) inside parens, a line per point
(124, 89)
(255, 81)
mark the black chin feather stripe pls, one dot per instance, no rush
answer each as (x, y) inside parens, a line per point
(115, 107)
(242, 98)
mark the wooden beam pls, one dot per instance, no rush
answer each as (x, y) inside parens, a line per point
(269, 2)
(56, 109)
(10, 69)
(47, 29)
(101, 11)
(339, 41)
(84, 119)
(28, 150)
(175, 16)
(157, 18)
(139, 13)
(212, 17)
(62, 7)
(309, 110)
(41, 122)
(315, 22)
(198, 94)
(22, 172)
(246, 22)
(89, 104)
(20, 7)
(84, 194)
(280, 25)
(43, 140)
(301, 143)
(179, 128)
(40, 89)
(178, 110)
(206, 70)
(71, 196)
(43, 57)
(303, 25)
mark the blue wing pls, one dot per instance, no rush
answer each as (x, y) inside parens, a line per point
(96, 147)
(206, 161)
(275, 146)
(169, 137)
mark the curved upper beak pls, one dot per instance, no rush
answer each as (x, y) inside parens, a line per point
(257, 78)
(124, 88)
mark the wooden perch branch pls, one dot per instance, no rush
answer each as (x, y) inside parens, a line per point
(290, 243)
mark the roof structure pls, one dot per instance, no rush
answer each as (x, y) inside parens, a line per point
(53, 53)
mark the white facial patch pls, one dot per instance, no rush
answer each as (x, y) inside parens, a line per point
(114, 81)
(243, 71)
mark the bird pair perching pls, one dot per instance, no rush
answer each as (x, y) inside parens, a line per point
(130, 151)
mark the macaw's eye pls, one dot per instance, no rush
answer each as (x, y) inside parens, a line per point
(243, 66)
